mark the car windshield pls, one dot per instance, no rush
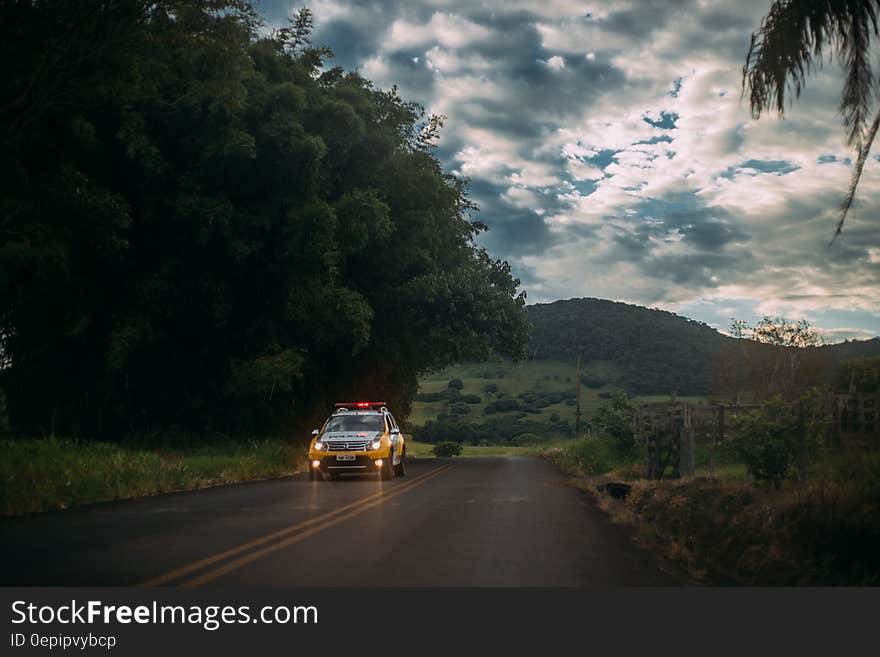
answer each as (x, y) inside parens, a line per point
(356, 423)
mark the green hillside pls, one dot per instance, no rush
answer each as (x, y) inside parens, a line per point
(646, 353)
(504, 402)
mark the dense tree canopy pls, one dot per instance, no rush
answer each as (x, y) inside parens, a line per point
(207, 227)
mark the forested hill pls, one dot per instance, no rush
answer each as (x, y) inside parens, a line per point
(649, 350)
(643, 349)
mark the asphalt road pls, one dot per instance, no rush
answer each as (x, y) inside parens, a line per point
(459, 522)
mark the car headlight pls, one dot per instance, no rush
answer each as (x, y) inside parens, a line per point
(377, 443)
(319, 446)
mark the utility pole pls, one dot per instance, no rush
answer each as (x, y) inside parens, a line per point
(577, 413)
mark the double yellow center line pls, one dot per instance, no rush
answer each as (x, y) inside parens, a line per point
(229, 560)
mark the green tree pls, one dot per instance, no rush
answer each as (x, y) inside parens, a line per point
(793, 40)
(860, 375)
(785, 362)
(207, 227)
(778, 331)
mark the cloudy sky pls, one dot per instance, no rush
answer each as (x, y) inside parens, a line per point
(612, 157)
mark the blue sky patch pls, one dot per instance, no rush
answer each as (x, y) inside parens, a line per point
(602, 158)
(831, 159)
(584, 187)
(777, 167)
(656, 140)
(666, 122)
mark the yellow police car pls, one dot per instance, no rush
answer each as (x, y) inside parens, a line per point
(359, 438)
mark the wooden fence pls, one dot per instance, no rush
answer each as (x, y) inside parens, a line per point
(670, 430)
(855, 421)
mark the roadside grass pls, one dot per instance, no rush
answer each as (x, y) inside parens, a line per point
(725, 529)
(591, 456)
(817, 533)
(59, 473)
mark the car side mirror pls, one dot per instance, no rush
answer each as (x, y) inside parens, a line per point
(315, 432)
(395, 431)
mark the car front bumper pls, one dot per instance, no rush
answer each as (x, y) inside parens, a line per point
(363, 462)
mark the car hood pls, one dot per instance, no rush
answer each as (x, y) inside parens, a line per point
(351, 435)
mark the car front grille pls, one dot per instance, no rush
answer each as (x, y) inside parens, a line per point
(347, 446)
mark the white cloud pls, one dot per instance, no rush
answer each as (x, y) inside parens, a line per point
(446, 30)
(556, 62)
(538, 94)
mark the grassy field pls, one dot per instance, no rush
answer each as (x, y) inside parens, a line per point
(426, 450)
(54, 473)
(515, 379)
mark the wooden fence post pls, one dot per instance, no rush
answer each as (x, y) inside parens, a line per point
(802, 444)
(719, 435)
(686, 452)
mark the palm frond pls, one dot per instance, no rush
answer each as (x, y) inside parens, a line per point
(854, 37)
(857, 174)
(790, 43)
(784, 52)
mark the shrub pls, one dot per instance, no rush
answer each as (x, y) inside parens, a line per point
(527, 439)
(456, 384)
(470, 399)
(501, 406)
(459, 409)
(767, 441)
(593, 456)
(452, 394)
(615, 420)
(447, 448)
(490, 387)
(860, 470)
(594, 381)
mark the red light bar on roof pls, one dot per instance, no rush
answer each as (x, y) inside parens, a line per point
(360, 404)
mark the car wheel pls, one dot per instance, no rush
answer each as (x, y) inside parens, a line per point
(313, 475)
(400, 468)
(387, 471)
(334, 476)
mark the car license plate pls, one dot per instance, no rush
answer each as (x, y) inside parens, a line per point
(345, 457)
